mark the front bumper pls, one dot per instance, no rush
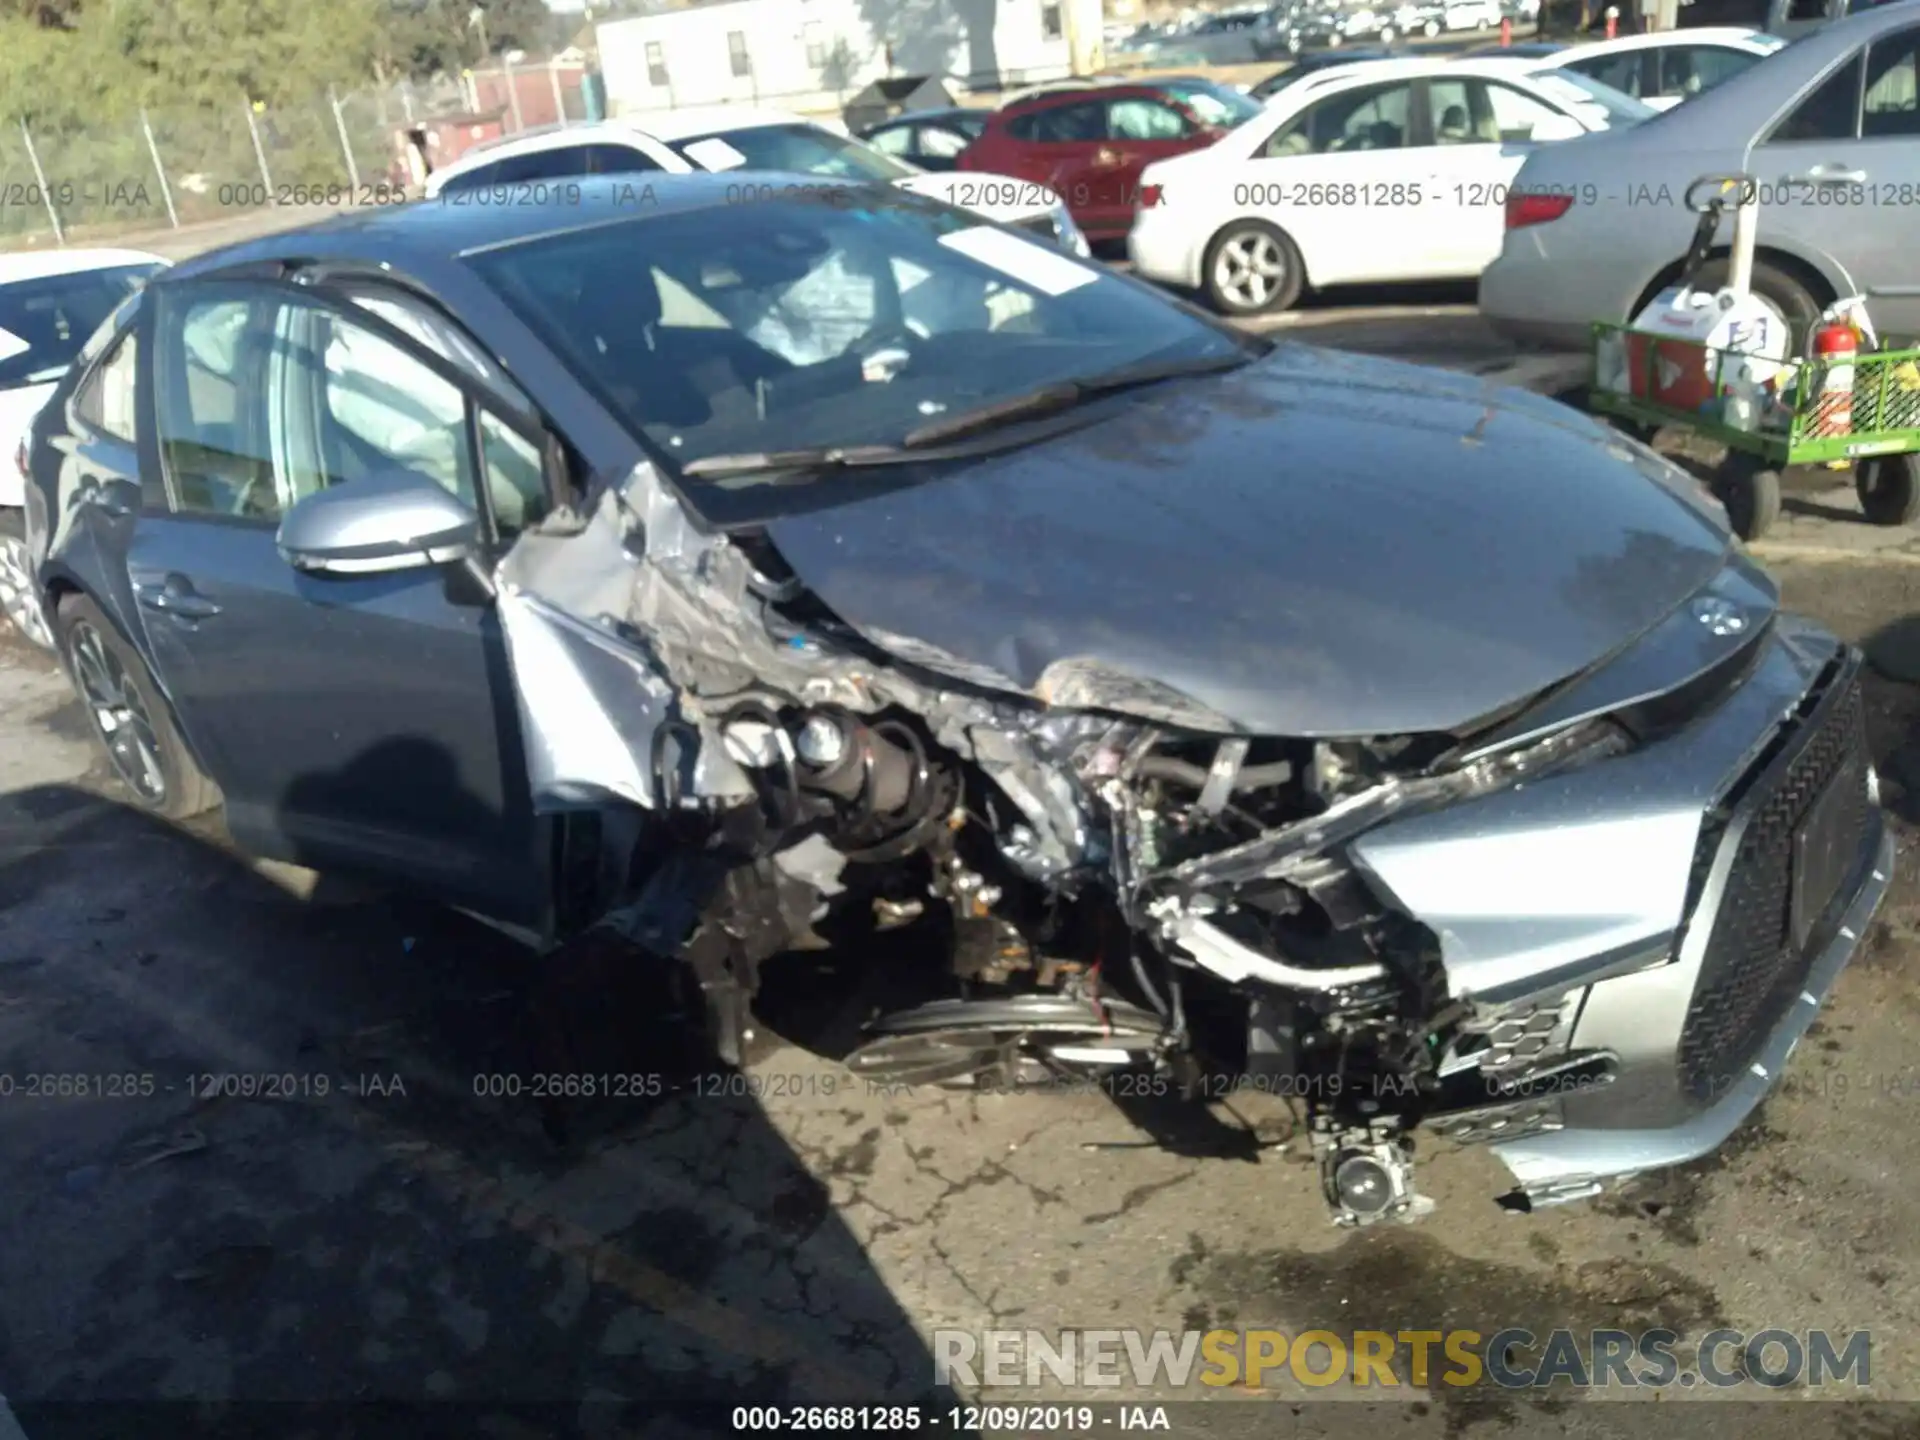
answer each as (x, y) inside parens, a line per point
(1569, 1163)
(1661, 905)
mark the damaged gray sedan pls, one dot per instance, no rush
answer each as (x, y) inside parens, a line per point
(714, 581)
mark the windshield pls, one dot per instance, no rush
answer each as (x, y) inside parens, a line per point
(828, 319)
(798, 148)
(55, 315)
(1574, 88)
(1214, 104)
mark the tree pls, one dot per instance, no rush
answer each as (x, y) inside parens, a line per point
(47, 14)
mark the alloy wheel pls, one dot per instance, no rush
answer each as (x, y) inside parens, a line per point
(119, 714)
(1250, 269)
(16, 593)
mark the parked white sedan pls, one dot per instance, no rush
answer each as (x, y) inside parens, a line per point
(50, 305)
(738, 138)
(1668, 66)
(1385, 171)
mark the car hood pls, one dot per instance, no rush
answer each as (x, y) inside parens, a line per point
(998, 197)
(1317, 544)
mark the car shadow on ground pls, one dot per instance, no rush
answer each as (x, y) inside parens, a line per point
(262, 1149)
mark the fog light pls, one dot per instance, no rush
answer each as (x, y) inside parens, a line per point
(1363, 1185)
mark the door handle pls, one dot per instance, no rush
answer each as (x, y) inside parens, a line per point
(176, 597)
(1106, 158)
(1830, 175)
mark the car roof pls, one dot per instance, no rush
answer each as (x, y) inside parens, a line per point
(22, 265)
(426, 234)
(1739, 37)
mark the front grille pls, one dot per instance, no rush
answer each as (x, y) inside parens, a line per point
(1754, 965)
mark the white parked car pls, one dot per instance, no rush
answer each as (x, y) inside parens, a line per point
(1471, 14)
(1668, 66)
(50, 305)
(733, 138)
(1388, 170)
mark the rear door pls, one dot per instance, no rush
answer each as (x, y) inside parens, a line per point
(1481, 132)
(1140, 130)
(359, 723)
(1842, 176)
(1064, 147)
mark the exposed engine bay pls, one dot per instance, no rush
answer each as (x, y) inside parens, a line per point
(1118, 882)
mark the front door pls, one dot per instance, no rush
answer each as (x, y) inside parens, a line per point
(362, 723)
(1841, 174)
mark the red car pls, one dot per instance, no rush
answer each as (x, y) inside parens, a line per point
(1090, 145)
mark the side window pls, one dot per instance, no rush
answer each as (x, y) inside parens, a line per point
(1689, 69)
(940, 143)
(1891, 104)
(894, 140)
(1622, 72)
(1146, 120)
(1513, 114)
(615, 160)
(1374, 119)
(420, 323)
(1462, 114)
(1807, 9)
(564, 163)
(1061, 124)
(208, 405)
(106, 400)
(1831, 112)
(347, 403)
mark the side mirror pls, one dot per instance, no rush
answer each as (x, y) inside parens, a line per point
(392, 521)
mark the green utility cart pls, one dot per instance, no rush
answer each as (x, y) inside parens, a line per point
(1880, 443)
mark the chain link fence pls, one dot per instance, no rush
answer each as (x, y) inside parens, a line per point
(169, 168)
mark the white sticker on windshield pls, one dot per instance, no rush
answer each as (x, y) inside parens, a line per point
(714, 154)
(1033, 265)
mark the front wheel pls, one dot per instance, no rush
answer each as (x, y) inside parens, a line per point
(1252, 269)
(130, 717)
(1889, 489)
(1749, 489)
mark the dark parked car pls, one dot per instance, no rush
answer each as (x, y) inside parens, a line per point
(1318, 61)
(931, 139)
(1089, 146)
(691, 583)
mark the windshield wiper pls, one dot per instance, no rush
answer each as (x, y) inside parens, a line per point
(818, 457)
(1064, 395)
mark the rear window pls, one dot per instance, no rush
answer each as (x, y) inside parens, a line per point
(55, 316)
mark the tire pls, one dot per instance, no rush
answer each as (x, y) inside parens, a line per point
(1259, 244)
(1798, 305)
(130, 717)
(1750, 491)
(1889, 489)
(16, 596)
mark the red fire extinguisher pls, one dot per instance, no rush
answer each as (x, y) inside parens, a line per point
(1835, 346)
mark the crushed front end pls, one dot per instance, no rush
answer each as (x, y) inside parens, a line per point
(1586, 931)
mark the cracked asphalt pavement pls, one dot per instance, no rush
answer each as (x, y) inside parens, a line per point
(391, 1224)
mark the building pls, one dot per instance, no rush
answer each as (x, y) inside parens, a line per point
(811, 55)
